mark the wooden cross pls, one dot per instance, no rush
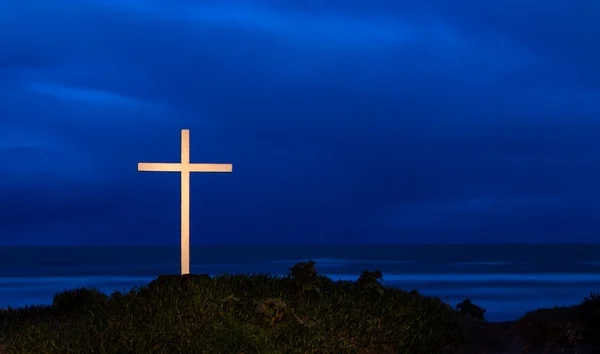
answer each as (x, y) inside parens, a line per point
(184, 167)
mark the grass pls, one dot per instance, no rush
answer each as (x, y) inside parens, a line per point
(563, 327)
(300, 313)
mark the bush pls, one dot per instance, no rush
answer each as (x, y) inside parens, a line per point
(368, 282)
(563, 327)
(239, 313)
(589, 313)
(469, 308)
(78, 298)
(556, 327)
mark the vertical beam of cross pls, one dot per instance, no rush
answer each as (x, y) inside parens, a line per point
(184, 167)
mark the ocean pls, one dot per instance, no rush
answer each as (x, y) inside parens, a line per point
(507, 280)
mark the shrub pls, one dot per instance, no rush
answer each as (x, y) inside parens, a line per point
(304, 276)
(78, 298)
(271, 309)
(558, 326)
(469, 308)
(240, 313)
(369, 282)
(589, 313)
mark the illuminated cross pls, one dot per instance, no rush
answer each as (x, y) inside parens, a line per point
(184, 167)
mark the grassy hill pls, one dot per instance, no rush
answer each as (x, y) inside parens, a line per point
(300, 313)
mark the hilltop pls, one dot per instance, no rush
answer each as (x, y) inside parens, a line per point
(302, 312)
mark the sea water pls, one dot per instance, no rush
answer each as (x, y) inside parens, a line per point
(506, 280)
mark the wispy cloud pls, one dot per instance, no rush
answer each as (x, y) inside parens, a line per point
(87, 96)
(341, 118)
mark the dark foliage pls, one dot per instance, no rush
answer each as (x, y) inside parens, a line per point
(469, 308)
(301, 313)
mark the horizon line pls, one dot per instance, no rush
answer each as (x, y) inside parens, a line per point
(319, 245)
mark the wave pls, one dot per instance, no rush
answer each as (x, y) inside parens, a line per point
(479, 278)
(341, 261)
(45, 280)
(470, 281)
(488, 291)
(427, 277)
(487, 263)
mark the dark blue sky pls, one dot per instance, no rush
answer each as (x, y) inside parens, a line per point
(381, 122)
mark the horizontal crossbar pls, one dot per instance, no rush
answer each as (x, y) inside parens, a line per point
(176, 167)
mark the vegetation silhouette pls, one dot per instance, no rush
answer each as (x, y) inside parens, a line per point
(302, 312)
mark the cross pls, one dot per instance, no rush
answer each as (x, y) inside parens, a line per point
(184, 167)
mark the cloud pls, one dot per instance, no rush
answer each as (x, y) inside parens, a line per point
(88, 96)
(341, 119)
